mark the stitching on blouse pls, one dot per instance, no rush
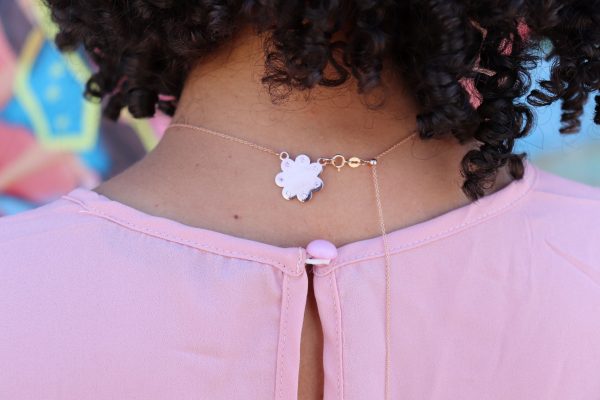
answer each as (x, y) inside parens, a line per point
(438, 235)
(299, 261)
(284, 329)
(73, 199)
(202, 246)
(337, 333)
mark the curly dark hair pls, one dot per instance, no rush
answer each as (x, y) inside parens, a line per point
(144, 50)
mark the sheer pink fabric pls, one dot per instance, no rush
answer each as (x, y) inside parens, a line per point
(496, 300)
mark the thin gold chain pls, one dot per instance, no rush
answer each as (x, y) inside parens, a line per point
(387, 257)
(266, 149)
(224, 136)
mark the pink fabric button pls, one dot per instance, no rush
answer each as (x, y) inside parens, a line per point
(322, 249)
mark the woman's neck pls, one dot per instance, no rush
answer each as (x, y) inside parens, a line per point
(224, 93)
(206, 181)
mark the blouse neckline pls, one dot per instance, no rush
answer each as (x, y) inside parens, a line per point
(291, 259)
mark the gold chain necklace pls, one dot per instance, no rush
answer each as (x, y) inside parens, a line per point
(299, 178)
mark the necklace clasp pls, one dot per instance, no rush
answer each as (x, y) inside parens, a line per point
(339, 161)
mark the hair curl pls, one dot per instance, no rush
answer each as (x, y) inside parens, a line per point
(144, 50)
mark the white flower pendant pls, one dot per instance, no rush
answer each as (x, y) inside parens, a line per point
(299, 178)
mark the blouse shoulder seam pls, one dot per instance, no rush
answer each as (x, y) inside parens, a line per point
(440, 235)
(86, 208)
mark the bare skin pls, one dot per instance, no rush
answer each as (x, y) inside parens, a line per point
(216, 184)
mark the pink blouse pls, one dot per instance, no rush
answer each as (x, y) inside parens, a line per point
(496, 300)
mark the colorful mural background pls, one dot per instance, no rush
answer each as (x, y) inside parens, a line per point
(53, 140)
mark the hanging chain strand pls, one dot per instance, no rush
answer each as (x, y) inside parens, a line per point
(388, 292)
(339, 161)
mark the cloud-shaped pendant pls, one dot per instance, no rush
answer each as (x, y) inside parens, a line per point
(299, 178)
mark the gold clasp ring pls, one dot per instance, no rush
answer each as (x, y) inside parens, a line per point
(339, 161)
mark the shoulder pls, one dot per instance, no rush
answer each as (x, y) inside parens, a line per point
(48, 238)
(563, 201)
(561, 222)
(555, 186)
(54, 218)
(50, 234)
